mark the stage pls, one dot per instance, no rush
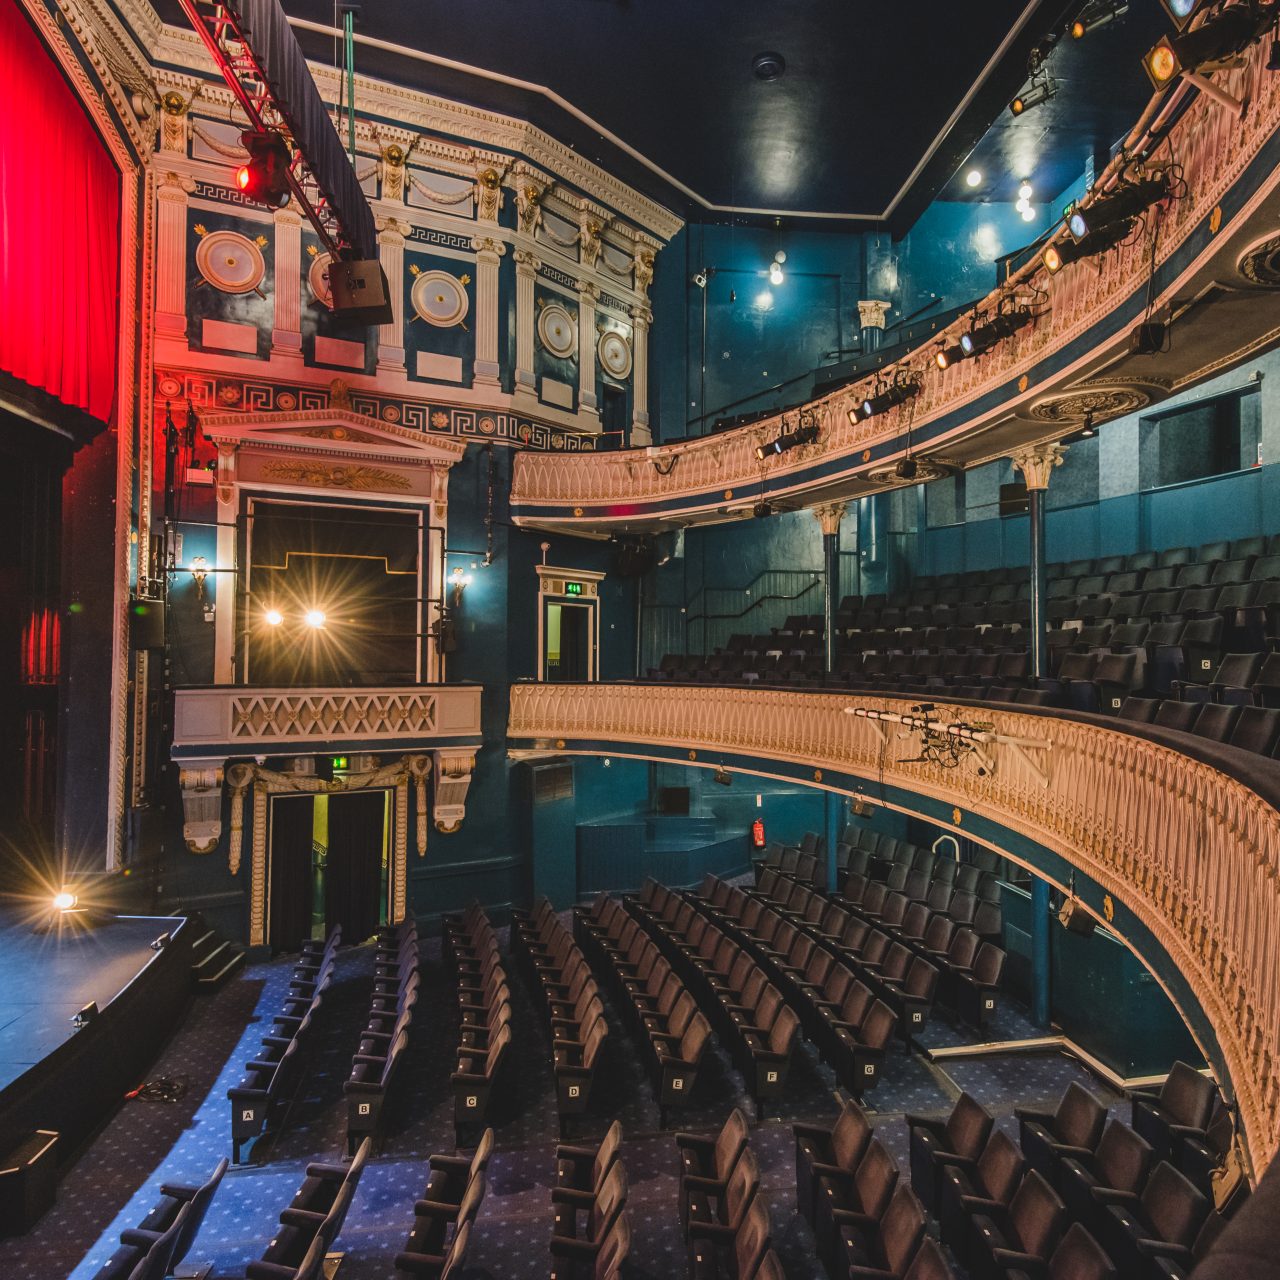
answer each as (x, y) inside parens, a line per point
(53, 1075)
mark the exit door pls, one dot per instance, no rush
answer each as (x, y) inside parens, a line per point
(568, 653)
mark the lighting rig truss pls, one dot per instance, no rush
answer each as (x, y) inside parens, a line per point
(948, 744)
(229, 46)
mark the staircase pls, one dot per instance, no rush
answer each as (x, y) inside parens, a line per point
(214, 959)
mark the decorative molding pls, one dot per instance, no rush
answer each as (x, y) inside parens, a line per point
(1099, 402)
(201, 789)
(872, 314)
(829, 516)
(453, 780)
(1192, 852)
(1037, 463)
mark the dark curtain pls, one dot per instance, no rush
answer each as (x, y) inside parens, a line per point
(573, 643)
(290, 871)
(353, 877)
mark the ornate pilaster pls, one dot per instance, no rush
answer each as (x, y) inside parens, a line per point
(526, 273)
(1037, 463)
(488, 255)
(286, 330)
(588, 401)
(829, 516)
(171, 256)
(391, 255)
(641, 318)
(393, 169)
(488, 195)
(453, 780)
(225, 580)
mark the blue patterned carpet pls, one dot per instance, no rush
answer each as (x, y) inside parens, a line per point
(146, 1143)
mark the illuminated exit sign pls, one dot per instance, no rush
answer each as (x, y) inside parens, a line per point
(573, 588)
(339, 762)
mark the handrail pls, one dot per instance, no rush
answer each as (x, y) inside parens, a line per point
(1181, 835)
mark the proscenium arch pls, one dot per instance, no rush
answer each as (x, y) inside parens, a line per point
(1185, 850)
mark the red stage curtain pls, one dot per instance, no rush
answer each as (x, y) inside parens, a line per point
(59, 230)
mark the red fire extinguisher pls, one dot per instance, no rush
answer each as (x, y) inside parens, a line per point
(757, 833)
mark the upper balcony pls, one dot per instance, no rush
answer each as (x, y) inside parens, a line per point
(1204, 263)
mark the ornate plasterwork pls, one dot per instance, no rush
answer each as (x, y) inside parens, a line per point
(872, 313)
(829, 516)
(1193, 853)
(453, 780)
(1097, 402)
(1037, 463)
(1259, 264)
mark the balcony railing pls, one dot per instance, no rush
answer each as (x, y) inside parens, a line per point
(1186, 849)
(236, 720)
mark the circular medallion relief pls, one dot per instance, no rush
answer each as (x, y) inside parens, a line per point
(1102, 402)
(230, 262)
(557, 330)
(615, 354)
(439, 299)
(318, 279)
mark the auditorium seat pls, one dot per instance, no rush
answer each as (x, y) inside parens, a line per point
(1161, 1222)
(1078, 1257)
(852, 1198)
(956, 1139)
(1021, 1239)
(584, 1221)
(1074, 1126)
(820, 1150)
(1121, 1162)
(966, 1187)
(886, 1246)
(1180, 1108)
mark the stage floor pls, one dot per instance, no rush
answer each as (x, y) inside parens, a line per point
(48, 977)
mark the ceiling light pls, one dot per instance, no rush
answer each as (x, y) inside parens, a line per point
(273, 617)
(1025, 191)
(1039, 91)
(768, 66)
(1180, 11)
(973, 177)
(1213, 43)
(1058, 255)
(1122, 204)
(775, 274)
(315, 618)
(1096, 15)
(780, 257)
(1028, 213)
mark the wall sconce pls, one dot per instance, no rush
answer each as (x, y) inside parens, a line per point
(199, 571)
(461, 580)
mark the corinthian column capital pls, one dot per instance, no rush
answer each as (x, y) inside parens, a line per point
(829, 516)
(1037, 463)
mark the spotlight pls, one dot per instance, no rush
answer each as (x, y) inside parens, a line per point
(273, 617)
(981, 337)
(945, 357)
(1211, 45)
(315, 618)
(761, 510)
(265, 178)
(723, 776)
(886, 397)
(1098, 15)
(1058, 255)
(906, 468)
(1119, 206)
(806, 433)
(972, 178)
(1180, 11)
(1039, 91)
(64, 901)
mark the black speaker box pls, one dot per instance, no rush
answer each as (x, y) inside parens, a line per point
(360, 293)
(1014, 500)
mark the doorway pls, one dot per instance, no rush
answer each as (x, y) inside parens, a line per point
(329, 860)
(568, 642)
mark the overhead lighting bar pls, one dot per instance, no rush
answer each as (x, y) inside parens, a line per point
(1213, 44)
(805, 433)
(1062, 252)
(1039, 91)
(885, 398)
(1119, 206)
(1096, 15)
(982, 337)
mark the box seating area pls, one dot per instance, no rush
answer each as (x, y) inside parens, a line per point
(571, 1003)
(271, 1077)
(470, 948)
(1187, 624)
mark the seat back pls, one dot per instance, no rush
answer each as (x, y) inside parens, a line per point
(614, 1249)
(902, 1228)
(878, 1026)
(730, 1142)
(875, 1179)
(740, 1189)
(1080, 1257)
(968, 1127)
(1000, 1167)
(929, 1263)
(785, 1028)
(752, 1241)
(1123, 1158)
(1188, 1096)
(850, 1135)
(1036, 1215)
(197, 1207)
(1173, 1206)
(1079, 1118)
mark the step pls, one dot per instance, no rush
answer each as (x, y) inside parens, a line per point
(211, 981)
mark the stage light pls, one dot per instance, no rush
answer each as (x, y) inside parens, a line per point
(973, 178)
(1180, 11)
(886, 397)
(1040, 91)
(273, 617)
(315, 618)
(806, 433)
(1098, 15)
(945, 357)
(1212, 44)
(265, 177)
(981, 337)
(64, 901)
(1058, 255)
(722, 776)
(1119, 206)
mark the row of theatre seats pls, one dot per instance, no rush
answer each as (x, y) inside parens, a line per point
(385, 1038)
(273, 1074)
(470, 948)
(571, 1003)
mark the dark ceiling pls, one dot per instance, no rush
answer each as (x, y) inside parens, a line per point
(878, 106)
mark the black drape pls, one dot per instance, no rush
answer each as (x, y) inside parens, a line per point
(290, 871)
(353, 878)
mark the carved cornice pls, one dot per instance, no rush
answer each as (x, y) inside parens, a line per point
(1190, 851)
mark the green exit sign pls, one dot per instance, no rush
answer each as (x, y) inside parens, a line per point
(339, 762)
(573, 588)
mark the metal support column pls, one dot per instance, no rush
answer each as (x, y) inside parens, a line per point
(833, 812)
(1040, 924)
(829, 517)
(1039, 648)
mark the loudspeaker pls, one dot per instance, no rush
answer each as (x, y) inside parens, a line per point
(1014, 500)
(146, 624)
(906, 468)
(360, 293)
(1073, 916)
(1147, 339)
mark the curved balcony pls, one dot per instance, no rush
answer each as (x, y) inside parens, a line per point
(1177, 838)
(1212, 274)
